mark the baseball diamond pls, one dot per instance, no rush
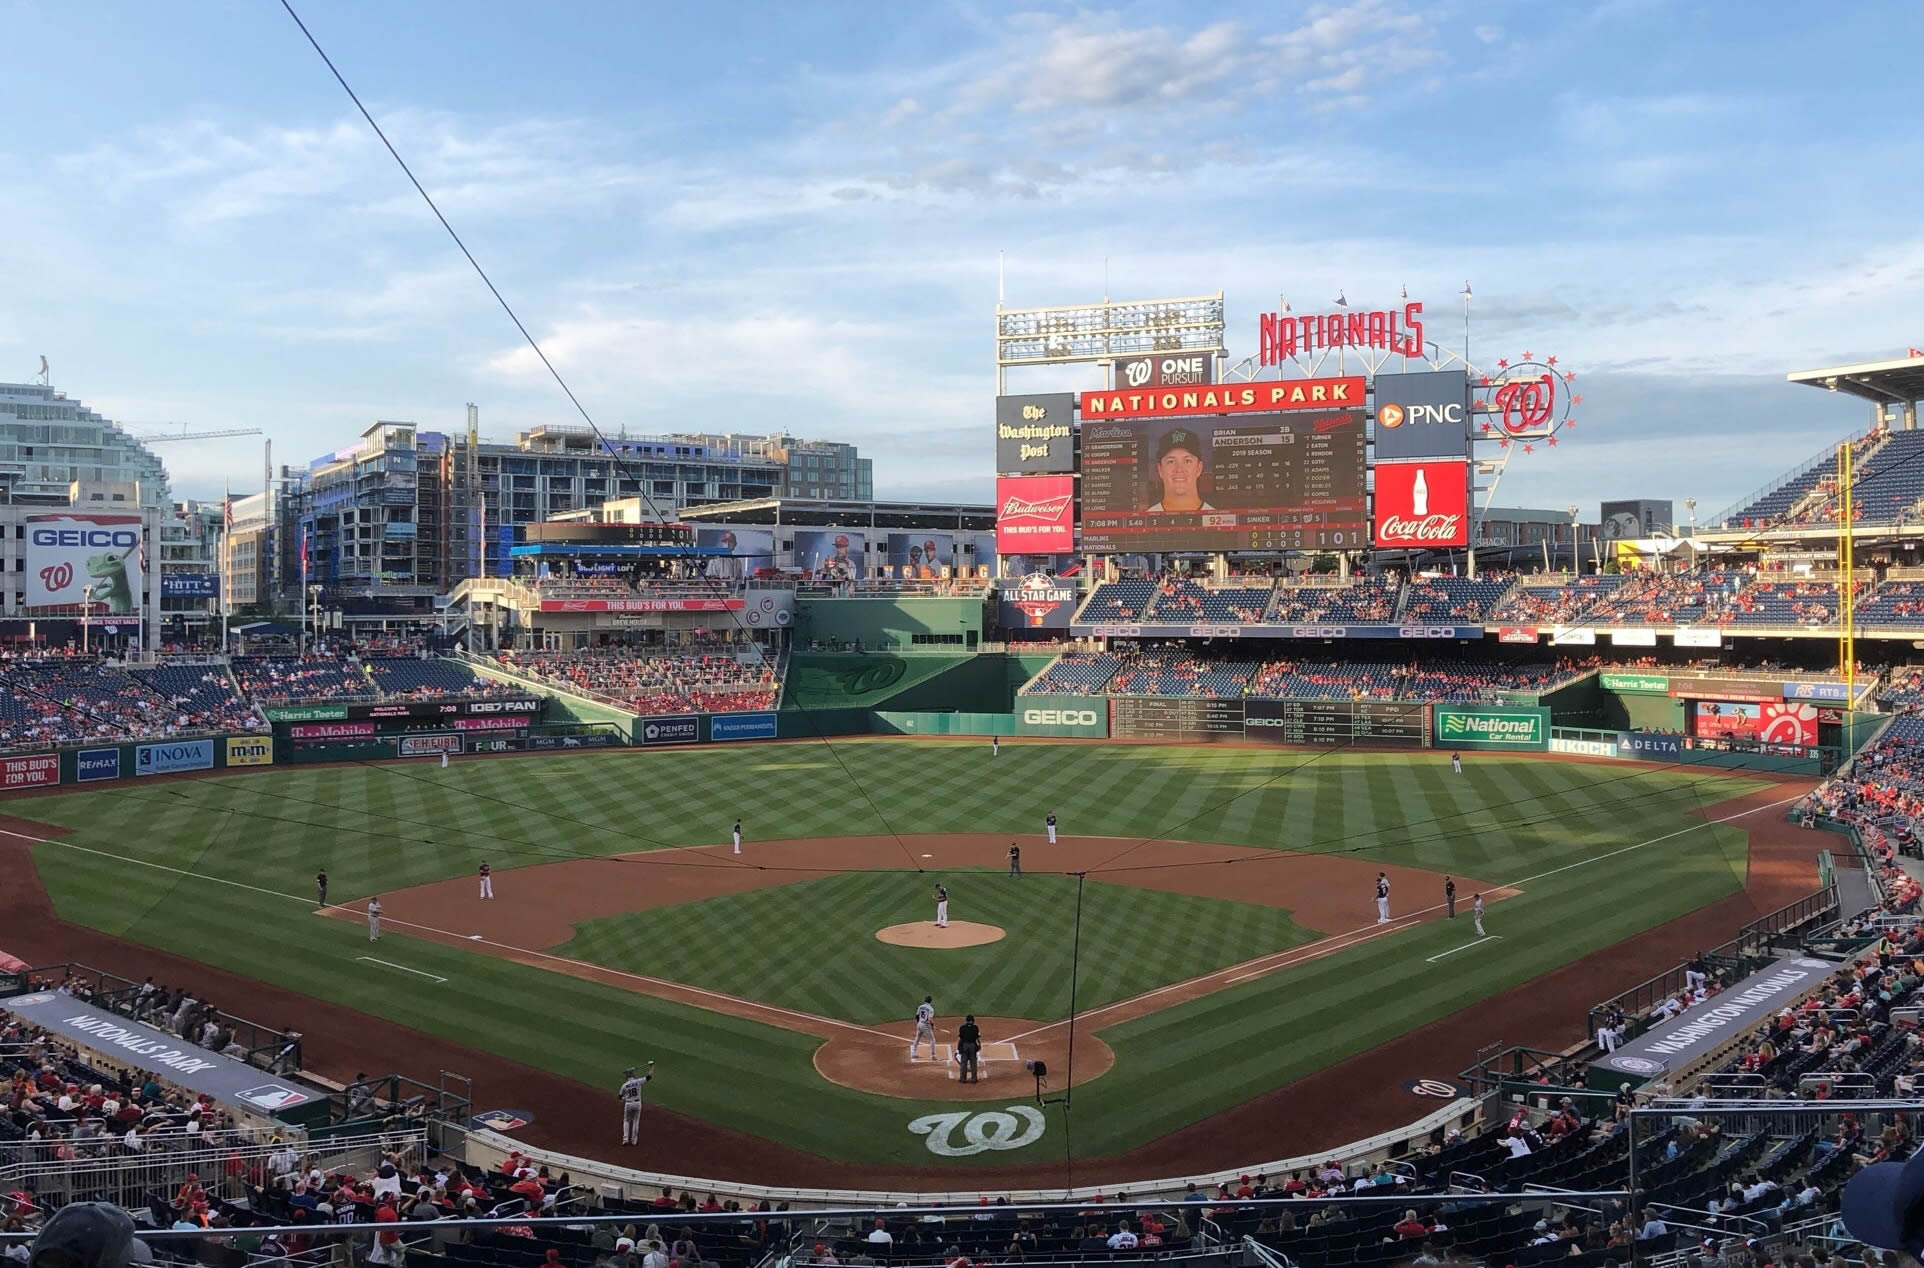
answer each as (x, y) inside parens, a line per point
(1212, 907)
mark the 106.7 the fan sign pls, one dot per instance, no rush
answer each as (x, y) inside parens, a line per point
(1422, 505)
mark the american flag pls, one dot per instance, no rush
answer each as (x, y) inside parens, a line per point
(1914, 352)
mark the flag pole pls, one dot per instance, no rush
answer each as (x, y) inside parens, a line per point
(226, 562)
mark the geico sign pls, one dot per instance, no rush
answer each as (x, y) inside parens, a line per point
(1319, 631)
(1392, 415)
(1215, 631)
(121, 537)
(1426, 631)
(1265, 721)
(1059, 717)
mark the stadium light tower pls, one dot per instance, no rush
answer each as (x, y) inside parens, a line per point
(1576, 560)
(1690, 505)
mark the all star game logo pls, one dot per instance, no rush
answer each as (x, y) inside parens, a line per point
(1039, 595)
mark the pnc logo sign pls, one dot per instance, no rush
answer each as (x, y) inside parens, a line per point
(1392, 415)
(1059, 717)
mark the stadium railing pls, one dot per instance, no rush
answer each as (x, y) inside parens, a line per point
(268, 1048)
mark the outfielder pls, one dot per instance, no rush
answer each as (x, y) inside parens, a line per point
(738, 836)
(1015, 859)
(924, 1027)
(1382, 898)
(374, 919)
(487, 880)
(1476, 909)
(444, 759)
(995, 746)
(630, 1094)
(941, 906)
(1050, 823)
(1456, 762)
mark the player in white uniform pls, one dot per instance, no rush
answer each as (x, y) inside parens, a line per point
(941, 906)
(1050, 823)
(924, 1027)
(630, 1094)
(444, 759)
(487, 880)
(1456, 762)
(738, 836)
(374, 919)
(1476, 907)
(1382, 898)
(995, 746)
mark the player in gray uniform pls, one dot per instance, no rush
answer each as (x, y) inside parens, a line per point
(941, 906)
(374, 919)
(924, 1027)
(1476, 907)
(630, 1094)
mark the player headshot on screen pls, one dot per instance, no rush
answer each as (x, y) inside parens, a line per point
(1179, 470)
(838, 565)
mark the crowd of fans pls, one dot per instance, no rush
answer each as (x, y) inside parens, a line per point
(652, 681)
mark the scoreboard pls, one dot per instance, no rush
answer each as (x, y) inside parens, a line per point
(1401, 724)
(1161, 718)
(1281, 481)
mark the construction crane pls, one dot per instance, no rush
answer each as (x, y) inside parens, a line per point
(156, 437)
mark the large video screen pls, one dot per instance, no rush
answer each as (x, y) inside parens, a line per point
(1282, 481)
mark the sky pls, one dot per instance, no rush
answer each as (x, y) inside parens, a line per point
(791, 218)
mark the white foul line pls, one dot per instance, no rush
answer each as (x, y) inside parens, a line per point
(409, 924)
(1481, 939)
(404, 968)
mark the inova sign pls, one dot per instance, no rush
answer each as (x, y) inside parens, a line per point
(1489, 728)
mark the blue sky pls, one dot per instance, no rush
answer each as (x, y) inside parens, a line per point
(790, 217)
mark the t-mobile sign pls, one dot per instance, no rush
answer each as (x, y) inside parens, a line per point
(1422, 504)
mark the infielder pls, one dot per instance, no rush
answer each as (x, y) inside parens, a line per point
(374, 919)
(941, 906)
(1050, 823)
(1456, 762)
(1382, 898)
(1476, 909)
(738, 836)
(630, 1094)
(320, 887)
(1449, 896)
(924, 1027)
(487, 880)
(1015, 859)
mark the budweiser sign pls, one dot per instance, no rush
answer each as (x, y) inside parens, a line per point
(1423, 505)
(1036, 515)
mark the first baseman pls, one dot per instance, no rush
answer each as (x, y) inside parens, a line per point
(1476, 908)
(1050, 823)
(630, 1094)
(374, 919)
(941, 906)
(1382, 898)
(924, 1027)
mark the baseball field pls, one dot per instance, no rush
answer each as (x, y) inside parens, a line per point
(1208, 914)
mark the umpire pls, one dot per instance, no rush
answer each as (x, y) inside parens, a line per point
(630, 1094)
(968, 1046)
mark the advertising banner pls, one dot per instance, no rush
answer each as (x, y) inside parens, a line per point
(595, 739)
(741, 726)
(306, 712)
(837, 554)
(1035, 515)
(174, 1060)
(1162, 718)
(96, 763)
(429, 745)
(1572, 636)
(1335, 722)
(1035, 602)
(641, 605)
(1035, 434)
(1583, 748)
(1514, 727)
(1635, 683)
(507, 722)
(749, 551)
(1422, 504)
(330, 730)
(1404, 633)
(1686, 637)
(1232, 398)
(1422, 416)
(1769, 721)
(1727, 688)
(1517, 634)
(924, 554)
(769, 608)
(1650, 746)
(161, 759)
(682, 729)
(35, 770)
(1696, 1033)
(1835, 692)
(1084, 716)
(70, 555)
(250, 751)
(1166, 369)
(1634, 638)
(190, 585)
(494, 744)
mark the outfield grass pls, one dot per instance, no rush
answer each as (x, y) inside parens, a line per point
(383, 828)
(1132, 940)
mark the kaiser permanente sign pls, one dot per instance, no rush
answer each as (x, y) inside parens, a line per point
(1696, 1033)
(157, 1052)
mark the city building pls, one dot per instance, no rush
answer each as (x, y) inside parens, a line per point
(47, 442)
(824, 469)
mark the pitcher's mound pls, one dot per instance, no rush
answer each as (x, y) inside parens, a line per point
(959, 933)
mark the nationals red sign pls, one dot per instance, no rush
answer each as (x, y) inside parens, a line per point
(1423, 504)
(1035, 515)
(30, 772)
(1517, 634)
(1280, 336)
(1226, 398)
(641, 605)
